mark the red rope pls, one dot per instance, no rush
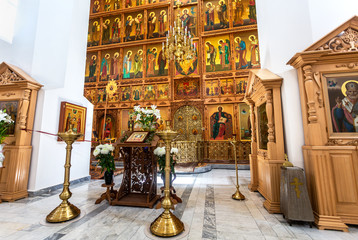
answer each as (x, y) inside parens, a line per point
(51, 134)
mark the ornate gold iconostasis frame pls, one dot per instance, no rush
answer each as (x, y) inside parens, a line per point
(330, 156)
(231, 81)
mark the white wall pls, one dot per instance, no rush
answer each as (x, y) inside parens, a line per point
(53, 35)
(285, 28)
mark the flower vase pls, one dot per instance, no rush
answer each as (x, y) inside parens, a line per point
(108, 177)
(2, 156)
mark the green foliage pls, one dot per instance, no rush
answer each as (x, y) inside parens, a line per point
(106, 161)
(161, 163)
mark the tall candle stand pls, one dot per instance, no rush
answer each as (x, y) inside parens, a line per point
(237, 195)
(65, 211)
(167, 224)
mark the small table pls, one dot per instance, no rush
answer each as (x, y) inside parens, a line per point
(108, 195)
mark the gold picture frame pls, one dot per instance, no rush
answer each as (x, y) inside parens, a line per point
(137, 137)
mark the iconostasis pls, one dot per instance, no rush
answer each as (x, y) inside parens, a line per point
(125, 40)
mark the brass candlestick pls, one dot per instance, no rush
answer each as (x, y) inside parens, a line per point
(167, 224)
(237, 195)
(65, 211)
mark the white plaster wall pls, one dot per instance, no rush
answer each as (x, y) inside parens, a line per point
(327, 15)
(285, 28)
(53, 36)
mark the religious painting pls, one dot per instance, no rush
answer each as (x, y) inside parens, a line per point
(188, 67)
(157, 23)
(101, 95)
(216, 14)
(221, 121)
(91, 95)
(111, 29)
(149, 92)
(95, 6)
(110, 5)
(137, 137)
(72, 117)
(136, 93)
(127, 120)
(163, 91)
(342, 102)
(125, 93)
(188, 15)
(94, 32)
(244, 121)
(133, 3)
(226, 86)
(247, 53)
(157, 64)
(164, 115)
(110, 65)
(11, 108)
(133, 26)
(241, 85)
(243, 12)
(106, 130)
(212, 88)
(187, 88)
(184, 2)
(262, 122)
(218, 54)
(133, 62)
(91, 67)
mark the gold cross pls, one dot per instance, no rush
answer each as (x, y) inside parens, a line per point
(296, 184)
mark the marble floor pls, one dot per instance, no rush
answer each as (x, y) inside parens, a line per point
(207, 209)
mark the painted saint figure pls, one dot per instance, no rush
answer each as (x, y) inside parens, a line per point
(128, 3)
(211, 56)
(162, 62)
(254, 50)
(210, 15)
(95, 32)
(107, 6)
(114, 66)
(116, 28)
(239, 12)
(252, 11)
(345, 113)
(151, 24)
(224, 51)
(151, 56)
(222, 14)
(138, 26)
(162, 20)
(117, 4)
(128, 28)
(241, 53)
(96, 7)
(136, 94)
(105, 67)
(106, 31)
(92, 68)
(219, 119)
(138, 61)
(127, 64)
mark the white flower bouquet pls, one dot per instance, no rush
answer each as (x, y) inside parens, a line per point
(5, 123)
(103, 154)
(161, 153)
(146, 118)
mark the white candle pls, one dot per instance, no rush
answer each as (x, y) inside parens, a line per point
(163, 46)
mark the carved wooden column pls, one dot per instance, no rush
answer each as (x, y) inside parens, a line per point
(253, 156)
(267, 152)
(20, 91)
